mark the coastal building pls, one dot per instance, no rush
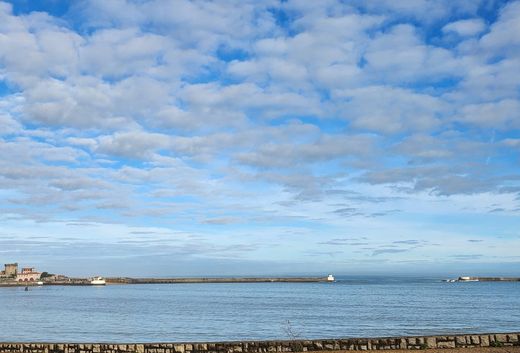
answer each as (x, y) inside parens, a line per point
(28, 274)
(10, 270)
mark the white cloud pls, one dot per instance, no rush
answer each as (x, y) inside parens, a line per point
(465, 28)
(327, 148)
(424, 11)
(502, 37)
(133, 144)
(9, 125)
(401, 56)
(390, 110)
(502, 115)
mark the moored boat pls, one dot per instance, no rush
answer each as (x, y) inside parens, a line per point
(98, 281)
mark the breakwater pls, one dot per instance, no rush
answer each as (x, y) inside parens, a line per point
(344, 344)
(127, 280)
(496, 279)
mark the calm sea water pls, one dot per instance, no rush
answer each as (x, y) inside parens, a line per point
(213, 312)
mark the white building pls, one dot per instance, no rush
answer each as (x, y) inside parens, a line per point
(28, 274)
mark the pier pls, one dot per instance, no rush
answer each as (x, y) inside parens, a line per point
(483, 279)
(497, 279)
(172, 280)
(127, 280)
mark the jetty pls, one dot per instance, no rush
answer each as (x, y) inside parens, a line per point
(483, 279)
(128, 280)
(497, 279)
(173, 280)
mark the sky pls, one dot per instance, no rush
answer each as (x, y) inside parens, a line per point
(154, 137)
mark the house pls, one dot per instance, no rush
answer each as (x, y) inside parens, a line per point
(28, 274)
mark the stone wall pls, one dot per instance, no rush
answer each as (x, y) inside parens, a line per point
(353, 344)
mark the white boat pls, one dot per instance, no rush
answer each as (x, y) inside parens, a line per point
(40, 283)
(467, 279)
(330, 278)
(98, 281)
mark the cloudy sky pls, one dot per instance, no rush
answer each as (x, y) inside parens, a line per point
(260, 137)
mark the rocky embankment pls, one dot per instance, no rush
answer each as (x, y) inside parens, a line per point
(477, 342)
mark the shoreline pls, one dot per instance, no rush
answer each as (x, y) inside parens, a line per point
(471, 342)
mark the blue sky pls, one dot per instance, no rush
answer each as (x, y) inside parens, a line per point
(245, 137)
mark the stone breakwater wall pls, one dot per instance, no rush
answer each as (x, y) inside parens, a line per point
(351, 344)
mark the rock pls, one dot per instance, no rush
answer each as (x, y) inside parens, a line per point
(448, 344)
(460, 340)
(501, 338)
(484, 341)
(139, 348)
(431, 342)
(403, 344)
(178, 348)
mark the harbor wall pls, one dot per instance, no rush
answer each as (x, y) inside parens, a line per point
(351, 344)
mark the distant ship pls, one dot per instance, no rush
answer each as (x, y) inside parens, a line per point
(330, 278)
(98, 281)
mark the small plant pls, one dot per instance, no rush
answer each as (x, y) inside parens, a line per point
(296, 347)
(423, 346)
(289, 332)
(496, 344)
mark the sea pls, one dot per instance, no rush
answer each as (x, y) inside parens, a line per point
(371, 306)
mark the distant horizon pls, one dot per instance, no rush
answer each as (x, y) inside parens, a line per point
(229, 270)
